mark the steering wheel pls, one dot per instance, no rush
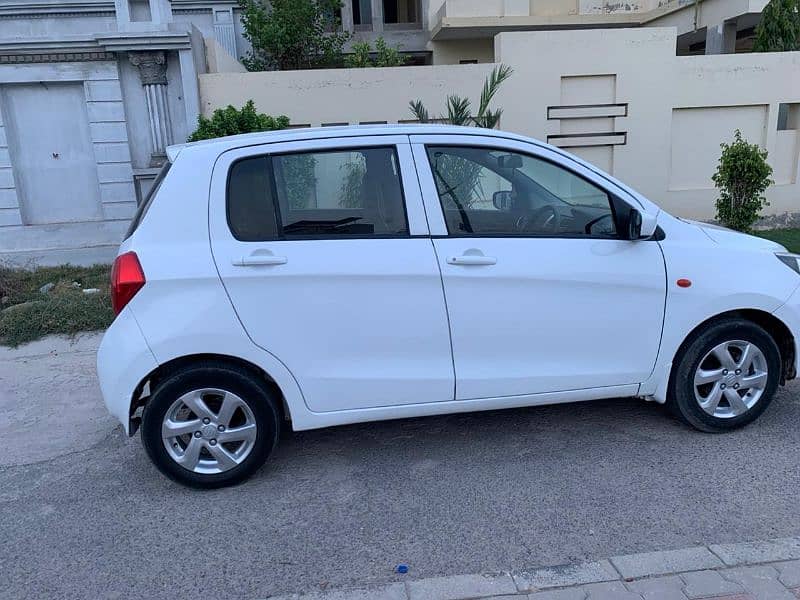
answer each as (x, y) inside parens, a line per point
(545, 219)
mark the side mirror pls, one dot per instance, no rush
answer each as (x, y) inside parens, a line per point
(632, 224)
(638, 226)
(634, 229)
(502, 200)
(649, 224)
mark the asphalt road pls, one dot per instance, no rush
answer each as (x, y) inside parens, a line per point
(480, 492)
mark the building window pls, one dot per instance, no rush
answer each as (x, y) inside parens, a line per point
(788, 116)
(401, 11)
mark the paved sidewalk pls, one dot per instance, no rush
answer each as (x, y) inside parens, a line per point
(768, 570)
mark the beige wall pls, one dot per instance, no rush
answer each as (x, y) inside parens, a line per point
(661, 134)
(452, 52)
(218, 60)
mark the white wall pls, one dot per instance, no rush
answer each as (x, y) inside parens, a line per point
(658, 125)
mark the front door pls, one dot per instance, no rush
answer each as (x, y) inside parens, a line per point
(542, 294)
(324, 250)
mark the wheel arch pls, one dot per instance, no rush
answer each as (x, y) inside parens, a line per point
(657, 387)
(777, 329)
(141, 394)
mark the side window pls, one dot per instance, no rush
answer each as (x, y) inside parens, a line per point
(251, 209)
(340, 193)
(331, 194)
(486, 191)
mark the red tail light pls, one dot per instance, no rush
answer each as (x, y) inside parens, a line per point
(127, 278)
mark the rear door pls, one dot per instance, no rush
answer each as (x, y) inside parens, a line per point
(323, 248)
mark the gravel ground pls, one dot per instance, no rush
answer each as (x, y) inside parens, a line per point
(84, 515)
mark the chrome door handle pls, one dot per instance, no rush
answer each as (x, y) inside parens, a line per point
(260, 260)
(471, 259)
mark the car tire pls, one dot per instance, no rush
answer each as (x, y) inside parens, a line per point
(730, 356)
(210, 425)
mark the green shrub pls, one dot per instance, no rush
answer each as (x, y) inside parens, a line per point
(742, 177)
(231, 120)
(292, 34)
(385, 56)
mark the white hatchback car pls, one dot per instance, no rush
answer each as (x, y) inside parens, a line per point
(337, 275)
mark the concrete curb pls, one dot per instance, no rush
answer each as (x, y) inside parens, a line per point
(699, 567)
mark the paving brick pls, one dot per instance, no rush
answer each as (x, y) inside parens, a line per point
(611, 590)
(658, 588)
(461, 586)
(708, 584)
(789, 573)
(563, 594)
(394, 591)
(758, 552)
(566, 575)
(646, 564)
(761, 581)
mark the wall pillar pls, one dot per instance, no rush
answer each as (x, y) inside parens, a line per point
(152, 68)
(721, 39)
(347, 15)
(377, 15)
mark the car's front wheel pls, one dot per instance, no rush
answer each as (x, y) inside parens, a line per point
(725, 376)
(210, 425)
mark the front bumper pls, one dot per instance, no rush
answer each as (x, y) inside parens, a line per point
(123, 361)
(789, 313)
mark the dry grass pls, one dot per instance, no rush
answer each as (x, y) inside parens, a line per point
(26, 314)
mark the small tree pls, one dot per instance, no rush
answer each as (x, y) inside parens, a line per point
(779, 29)
(231, 120)
(292, 34)
(742, 177)
(385, 55)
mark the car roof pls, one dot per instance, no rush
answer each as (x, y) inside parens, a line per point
(223, 144)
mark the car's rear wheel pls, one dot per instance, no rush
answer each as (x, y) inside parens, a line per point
(725, 376)
(211, 425)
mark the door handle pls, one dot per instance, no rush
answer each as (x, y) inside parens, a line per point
(471, 259)
(260, 260)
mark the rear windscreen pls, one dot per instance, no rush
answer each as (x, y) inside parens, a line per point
(148, 199)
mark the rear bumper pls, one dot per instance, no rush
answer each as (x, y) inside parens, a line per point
(123, 360)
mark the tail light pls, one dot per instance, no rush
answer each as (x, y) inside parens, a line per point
(127, 278)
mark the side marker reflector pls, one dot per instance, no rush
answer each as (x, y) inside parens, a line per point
(684, 283)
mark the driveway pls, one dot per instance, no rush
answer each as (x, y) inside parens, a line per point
(84, 515)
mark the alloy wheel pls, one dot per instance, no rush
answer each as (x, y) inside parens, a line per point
(209, 431)
(730, 379)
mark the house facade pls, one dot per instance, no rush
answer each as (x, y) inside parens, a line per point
(92, 91)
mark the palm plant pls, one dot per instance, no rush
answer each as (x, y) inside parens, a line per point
(459, 109)
(459, 180)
